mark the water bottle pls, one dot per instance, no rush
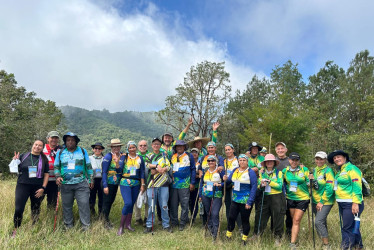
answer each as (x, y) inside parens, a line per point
(356, 229)
(201, 209)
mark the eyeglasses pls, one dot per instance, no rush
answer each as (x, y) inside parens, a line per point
(142, 145)
(211, 161)
(99, 148)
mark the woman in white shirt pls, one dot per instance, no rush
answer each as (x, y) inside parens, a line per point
(96, 160)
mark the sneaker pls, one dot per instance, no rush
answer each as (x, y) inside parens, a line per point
(326, 247)
(148, 230)
(181, 227)
(244, 242)
(14, 233)
(254, 237)
(168, 229)
(145, 222)
(277, 242)
(293, 246)
(108, 225)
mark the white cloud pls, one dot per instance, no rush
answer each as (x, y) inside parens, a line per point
(87, 55)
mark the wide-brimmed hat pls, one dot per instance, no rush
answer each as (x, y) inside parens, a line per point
(331, 156)
(270, 157)
(72, 135)
(180, 143)
(115, 142)
(204, 141)
(97, 144)
(321, 155)
(254, 144)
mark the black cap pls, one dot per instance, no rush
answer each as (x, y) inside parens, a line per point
(156, 139)
(254, 144)
(294, 156)
(97, 144)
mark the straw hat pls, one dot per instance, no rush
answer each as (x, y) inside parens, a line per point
(204, 141)
(115, 142)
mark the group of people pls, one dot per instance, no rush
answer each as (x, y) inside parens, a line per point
(175, 173)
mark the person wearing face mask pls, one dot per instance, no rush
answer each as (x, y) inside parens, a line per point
(111, 178)
(33, 173)
(274, 203)
(50, 150)
(211, 194)
(74, 174)
(243, 196)
(348, 194)
(322, 195)
(296, 179)
(96, 161)
(132, 182)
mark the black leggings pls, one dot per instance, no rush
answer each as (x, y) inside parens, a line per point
(235, 209)
(97, 189)
(23, 192)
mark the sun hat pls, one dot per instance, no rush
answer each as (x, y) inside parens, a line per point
(331, 156)
(204, 141)
(115, 142)
(180, 143)
(254, 144)
(71, 134)
(97, 144)
(270, 157)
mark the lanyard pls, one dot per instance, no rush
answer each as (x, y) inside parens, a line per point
(72, 155)
(211, 173)
(237, 173)
(32, 163)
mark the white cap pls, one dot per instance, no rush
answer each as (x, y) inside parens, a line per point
(321, 155)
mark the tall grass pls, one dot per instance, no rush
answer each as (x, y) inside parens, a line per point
(41, 235)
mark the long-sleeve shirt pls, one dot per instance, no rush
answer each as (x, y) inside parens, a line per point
(207, 187)
(132, 170)
(245, 185)
(325, 179)
(349, 184)
(296, 183)
(254, 161)
(73, 167)
(184, 170)
(111, 174)
(276, 181)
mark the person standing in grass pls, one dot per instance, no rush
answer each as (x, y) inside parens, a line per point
(323, 195)
(96, 161)
(184, 175)
(348, 194)
(132, 182)
(111, 178)
(243, 196)
(143, 152)
(33, 173)
(274, 204)
(200, 143)
(74, 174)
(194, 206)
(296, 179)
(50, 150)
(211, 194)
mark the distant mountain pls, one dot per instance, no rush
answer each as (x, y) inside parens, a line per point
(101, 126)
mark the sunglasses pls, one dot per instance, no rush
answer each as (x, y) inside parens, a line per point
(211, 161)
(99, 148)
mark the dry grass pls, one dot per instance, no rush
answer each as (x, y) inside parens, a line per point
(41, 235)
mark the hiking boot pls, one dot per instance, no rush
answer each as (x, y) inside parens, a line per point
(168, 229)
(139, 222)
(145, 222)
(147, 230)
(181, 227)
(108, 225)
(293, 246)
(277, 242)
(326, 247)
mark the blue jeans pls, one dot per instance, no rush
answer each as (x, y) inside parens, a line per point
(160, 194)
(129, 196)
(349, 239)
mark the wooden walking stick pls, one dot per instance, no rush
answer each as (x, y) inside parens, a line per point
(270, 143)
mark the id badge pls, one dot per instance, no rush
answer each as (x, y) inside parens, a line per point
(335, 185)
(229, 172)
(132, 171)
(237, 185)
(267, 188)
(32, 171)
(154, 162)
(293, 186)
(71, 164)
(176, 167)
(209, 186)
(98, 172)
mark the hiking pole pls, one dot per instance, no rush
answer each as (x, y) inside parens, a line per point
(262, 204)
(223, 202)
(194, 208)
(270, 143)
(153, 203)
(311, 202)
(56, 210)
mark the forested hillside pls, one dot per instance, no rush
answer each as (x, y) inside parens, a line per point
(101, 126)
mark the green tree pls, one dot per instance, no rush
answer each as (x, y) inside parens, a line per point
(23, 118)
(202, 95)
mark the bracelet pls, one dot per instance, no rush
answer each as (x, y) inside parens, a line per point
(43, 187)
(143, 184)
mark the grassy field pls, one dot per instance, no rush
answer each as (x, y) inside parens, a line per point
(41, 235)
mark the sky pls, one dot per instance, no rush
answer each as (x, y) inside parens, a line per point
(130, 55)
